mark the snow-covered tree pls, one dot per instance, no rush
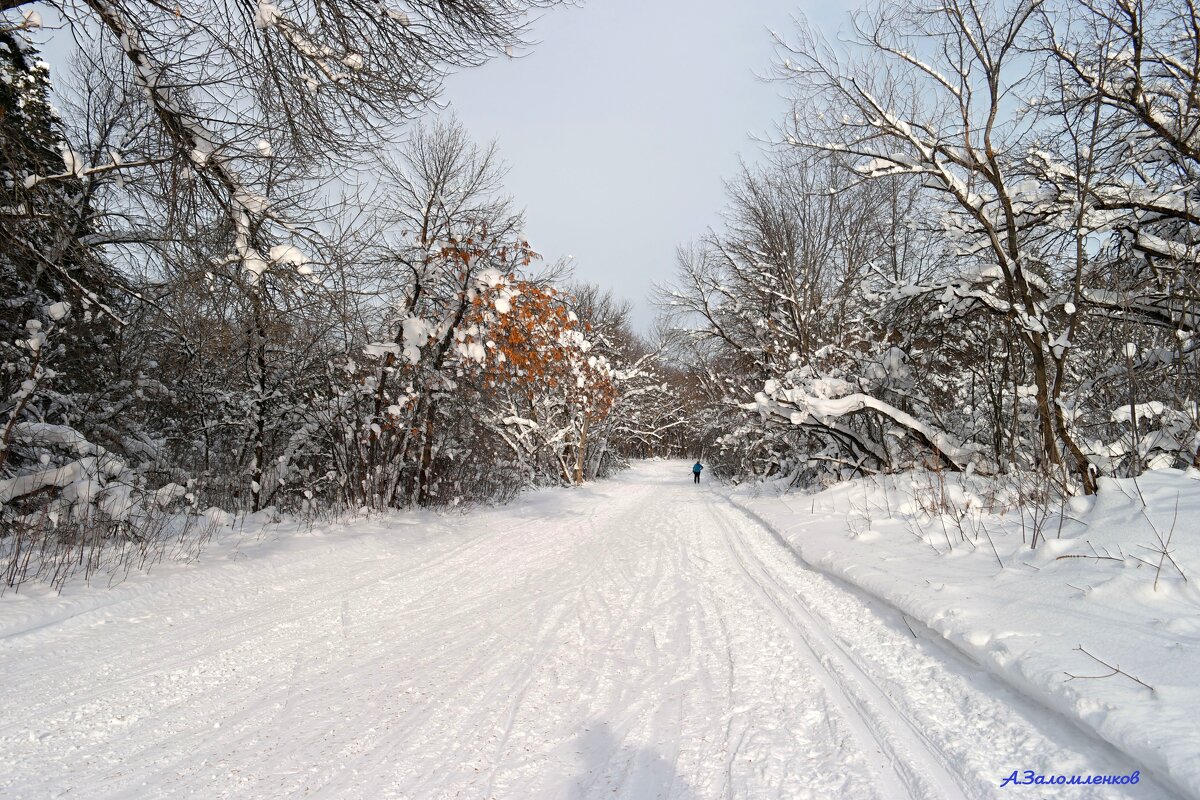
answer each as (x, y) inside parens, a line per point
(1024, 293)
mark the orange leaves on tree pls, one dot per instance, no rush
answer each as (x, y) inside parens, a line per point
(538, 348)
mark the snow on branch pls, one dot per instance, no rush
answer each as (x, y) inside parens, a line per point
(799, 407)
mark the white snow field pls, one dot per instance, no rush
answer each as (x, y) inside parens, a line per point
(637, 638)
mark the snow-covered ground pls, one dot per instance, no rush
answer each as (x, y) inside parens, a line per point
(1094, 584)
(639, 638)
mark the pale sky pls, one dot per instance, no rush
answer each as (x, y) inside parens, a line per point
(624, 118)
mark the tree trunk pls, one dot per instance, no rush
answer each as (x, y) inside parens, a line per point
(583, 430)
(260, 401)
(424, 474)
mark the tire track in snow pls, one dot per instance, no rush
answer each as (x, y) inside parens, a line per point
(908, 765)
(501, 693)
(646, 648)
(288, 599)
(632, 639)
(945, 694)
(294, 613)
(283, 582)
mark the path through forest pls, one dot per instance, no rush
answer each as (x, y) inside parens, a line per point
(636, 638)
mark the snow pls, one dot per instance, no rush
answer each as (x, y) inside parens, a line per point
(57, 311)
(254, 264)
(74, 478)
(118, 500)
(46, 434)
(416, 333)
(292, 256)
(381, 349)
(73, 162)
(1126, 414)
(167, 494)
(1023, 622)
(267, 15)
(473, 351)
(635, 638)
(489, 279)
(820, 405)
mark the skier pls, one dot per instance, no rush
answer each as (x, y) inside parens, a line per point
(696, 471)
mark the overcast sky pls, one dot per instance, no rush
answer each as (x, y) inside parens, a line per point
(624, 118)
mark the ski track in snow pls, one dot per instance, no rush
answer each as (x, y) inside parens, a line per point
(638, 638)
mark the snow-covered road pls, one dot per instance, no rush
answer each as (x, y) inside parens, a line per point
(638, 638)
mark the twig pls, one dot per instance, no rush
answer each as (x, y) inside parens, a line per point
(988, 533)
(1141, 496)
(1166, 553)
(1115, 671)
(1094, 558)
(1062, 512)
(1164, 545)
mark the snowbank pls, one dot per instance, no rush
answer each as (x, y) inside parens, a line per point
(933, 547)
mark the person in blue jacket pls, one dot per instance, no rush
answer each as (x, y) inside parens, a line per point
(696, 471)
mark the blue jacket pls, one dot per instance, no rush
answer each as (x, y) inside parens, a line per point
(696, 469)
